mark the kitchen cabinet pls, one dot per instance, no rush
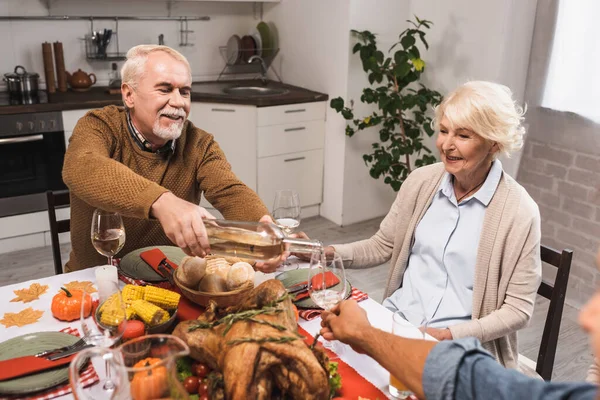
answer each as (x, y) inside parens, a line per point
(70, 119)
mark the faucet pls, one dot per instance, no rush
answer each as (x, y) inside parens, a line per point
(263, 67)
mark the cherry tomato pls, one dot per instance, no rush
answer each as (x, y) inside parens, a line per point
(132, 329)
(203, 388)
(191, 384)
(200, 370)
(203, 397)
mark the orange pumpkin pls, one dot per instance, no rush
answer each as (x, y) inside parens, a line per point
(151, 383)
(66, 305)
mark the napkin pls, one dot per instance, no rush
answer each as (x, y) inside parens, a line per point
(329, 280)
(20, 366)
(311, 314)
(155, 258)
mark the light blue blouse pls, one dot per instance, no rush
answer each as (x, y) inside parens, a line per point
(437, 285)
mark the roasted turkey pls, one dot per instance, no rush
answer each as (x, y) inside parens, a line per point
(257, 349)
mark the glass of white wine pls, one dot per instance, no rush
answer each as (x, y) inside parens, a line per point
(108, 233)
(323, 268)
(286, 212)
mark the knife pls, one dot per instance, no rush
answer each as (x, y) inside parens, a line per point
(67, 353)
(299, 287)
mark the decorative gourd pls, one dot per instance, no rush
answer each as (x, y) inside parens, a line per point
(66, 305)
(151, 383)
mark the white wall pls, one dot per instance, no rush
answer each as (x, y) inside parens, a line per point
(313, 37)
(21, 40)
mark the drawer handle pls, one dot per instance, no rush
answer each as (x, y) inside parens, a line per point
(223, 109)
(295, 111)
(300, 128)
(294, 159)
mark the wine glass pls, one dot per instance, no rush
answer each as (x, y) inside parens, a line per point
(286, 212)
(108, 233)
(412, 324)
(321, 277)
(106, 330)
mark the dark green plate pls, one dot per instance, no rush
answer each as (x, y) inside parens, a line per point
(134, 267)
(31, 344)
(289, 278)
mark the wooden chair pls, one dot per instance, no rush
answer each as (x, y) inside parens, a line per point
(57, 199)
(556, 294)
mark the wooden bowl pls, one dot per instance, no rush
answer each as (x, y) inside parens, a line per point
(223, 299)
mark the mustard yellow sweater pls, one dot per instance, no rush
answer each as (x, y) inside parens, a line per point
(104, 168)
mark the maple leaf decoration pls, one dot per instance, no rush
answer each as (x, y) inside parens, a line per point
(84, 286)
(32, 293)
(25, 317)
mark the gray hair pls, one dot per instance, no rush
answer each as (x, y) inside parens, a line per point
(133, 69)
(487, 109)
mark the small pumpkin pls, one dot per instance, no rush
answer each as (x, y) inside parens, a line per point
(66, 305)
(151, 383)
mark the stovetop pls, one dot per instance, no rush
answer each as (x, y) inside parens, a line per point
(40, 97)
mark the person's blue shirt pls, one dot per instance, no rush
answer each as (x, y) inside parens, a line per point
(438, 282)
(462, 370)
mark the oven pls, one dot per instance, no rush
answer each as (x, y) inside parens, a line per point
(32, 151)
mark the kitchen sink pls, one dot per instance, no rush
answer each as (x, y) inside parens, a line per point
(251, 91)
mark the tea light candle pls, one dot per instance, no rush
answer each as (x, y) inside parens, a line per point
(107, 281)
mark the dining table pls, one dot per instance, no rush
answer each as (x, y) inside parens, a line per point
(365, 366)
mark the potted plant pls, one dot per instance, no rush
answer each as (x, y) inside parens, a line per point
(404, 104)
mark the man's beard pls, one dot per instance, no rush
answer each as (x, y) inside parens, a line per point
(173, 131)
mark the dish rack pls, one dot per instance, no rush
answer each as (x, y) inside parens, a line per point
(244, 68)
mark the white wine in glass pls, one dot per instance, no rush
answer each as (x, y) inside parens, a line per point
(108, 233)
(286, 212)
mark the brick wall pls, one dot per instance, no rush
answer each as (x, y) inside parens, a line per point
(566, 185)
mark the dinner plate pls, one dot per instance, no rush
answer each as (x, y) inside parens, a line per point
(256, 36)
(30, 344)
(233, 49)
(134, 267)
(265, 37)
(289, 278)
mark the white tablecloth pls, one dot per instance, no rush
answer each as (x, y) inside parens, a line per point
(379, 316)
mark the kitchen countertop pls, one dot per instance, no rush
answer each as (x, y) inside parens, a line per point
(206, 92)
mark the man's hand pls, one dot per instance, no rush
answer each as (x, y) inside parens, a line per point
(346, 322)
(439, 334)
(182, 223)
(272, 264)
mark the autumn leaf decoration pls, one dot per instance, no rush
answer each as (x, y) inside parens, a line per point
(84, 286)
(32, 293)
(25, 317)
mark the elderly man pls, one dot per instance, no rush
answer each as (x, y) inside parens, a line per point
(455, 369)
(150, 164)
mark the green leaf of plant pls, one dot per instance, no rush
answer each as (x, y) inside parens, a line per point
(337, 104)
(401, 57)
(401, 70)
(407, 41)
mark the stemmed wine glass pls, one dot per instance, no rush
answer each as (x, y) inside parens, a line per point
(105, 331)
(321, 274)
(108, 233)
(286, 211)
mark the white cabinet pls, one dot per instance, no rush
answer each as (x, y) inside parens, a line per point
(290, 151)
(70, 119)
(234, 129)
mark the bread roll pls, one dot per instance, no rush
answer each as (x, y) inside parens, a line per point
(218, 266)
(192, 271)
(213, 283)
(239, 273)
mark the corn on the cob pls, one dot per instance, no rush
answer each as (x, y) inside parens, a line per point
(111, 312)
(149, 313)
(130, 293)
(162, 298)
(130, 313)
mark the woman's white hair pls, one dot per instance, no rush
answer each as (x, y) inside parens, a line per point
(488, 109)
(133, 69)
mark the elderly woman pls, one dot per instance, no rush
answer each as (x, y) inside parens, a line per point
(463, 236)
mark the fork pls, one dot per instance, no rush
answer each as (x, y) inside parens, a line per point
(78, 343)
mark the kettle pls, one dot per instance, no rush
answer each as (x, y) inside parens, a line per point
(81, 81)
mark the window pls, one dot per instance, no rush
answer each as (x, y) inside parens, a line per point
(573, 81)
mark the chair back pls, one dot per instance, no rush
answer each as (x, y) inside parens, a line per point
(556, 294)
(57, 199)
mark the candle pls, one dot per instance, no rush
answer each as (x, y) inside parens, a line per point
(107, 281)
